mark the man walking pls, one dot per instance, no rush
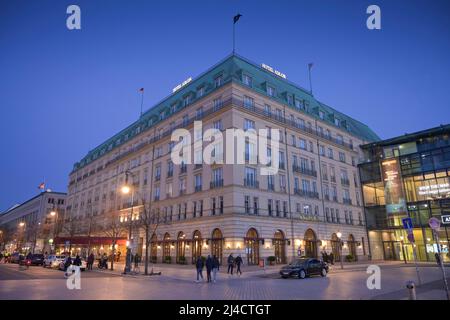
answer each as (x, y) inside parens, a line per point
(230, 261)
(199, 267)
(90, 261)
(238, 262)
(209, 266)
(215, 267)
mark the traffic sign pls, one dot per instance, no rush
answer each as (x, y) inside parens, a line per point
(407, 223)
(445, 219)
(434, 223)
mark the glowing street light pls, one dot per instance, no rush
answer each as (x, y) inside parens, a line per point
(53, 213)
(125, 189)
(339, 235)
(21, 224)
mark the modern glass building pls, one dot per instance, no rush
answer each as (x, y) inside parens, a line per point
(407, 176)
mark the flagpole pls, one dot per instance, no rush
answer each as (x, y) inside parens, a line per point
(310, 82)
(233, 37)
(142, 101)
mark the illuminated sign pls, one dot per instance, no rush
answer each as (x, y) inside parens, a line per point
(269, 68)
(445, 219)
(393, 193)
(181, 85)
(434, 189)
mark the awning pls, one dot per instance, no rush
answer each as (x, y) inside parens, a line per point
(86, 240)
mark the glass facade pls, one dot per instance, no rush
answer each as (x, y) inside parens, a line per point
(408, 176)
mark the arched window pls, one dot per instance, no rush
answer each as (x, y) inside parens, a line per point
(310, 244)
(252, 245)
(181, 248)
(279, 245)
(166, 247)
(352, 246)
(196, 245)
(217, 244)
(335, 249)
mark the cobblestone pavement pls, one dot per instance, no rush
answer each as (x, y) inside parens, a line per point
(178, 283)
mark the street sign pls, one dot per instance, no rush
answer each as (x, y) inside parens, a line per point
(434, 223)
(445, 219)
(411, 237)
(407, 223)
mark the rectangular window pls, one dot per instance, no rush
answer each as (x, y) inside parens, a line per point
(255, 206)
(269, 207)
(248, 102)
(220, 205)
(217, 124)
(249, 124)
(218, 81)
(270, 91)
(247, 80)
(247, 204)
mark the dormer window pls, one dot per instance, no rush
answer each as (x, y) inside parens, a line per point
(336, 121)
(200, 92)
(321, 115)
(186, 100)
(298, 104)
(247, 80)
(218, 81)
(270, 91)
(289, 99)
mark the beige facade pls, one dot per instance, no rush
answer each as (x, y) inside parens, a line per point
(30, 226)
(317, 189)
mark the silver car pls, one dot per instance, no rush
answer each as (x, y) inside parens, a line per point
(53, 261)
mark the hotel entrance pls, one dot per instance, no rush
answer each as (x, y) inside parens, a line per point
(392, 250)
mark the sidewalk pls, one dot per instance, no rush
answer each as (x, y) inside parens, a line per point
(187, 272)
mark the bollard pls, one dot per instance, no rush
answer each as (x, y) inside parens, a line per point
(411, 286)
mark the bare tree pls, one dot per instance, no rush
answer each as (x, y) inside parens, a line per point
(71, 227)
(149, 221)
(113, 229)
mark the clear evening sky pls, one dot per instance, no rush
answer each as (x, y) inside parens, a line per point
(64, 92)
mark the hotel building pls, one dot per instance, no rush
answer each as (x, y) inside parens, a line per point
(220, 209)
(407, 176)
(31, 225)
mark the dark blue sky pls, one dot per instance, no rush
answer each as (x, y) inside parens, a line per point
(64, 92)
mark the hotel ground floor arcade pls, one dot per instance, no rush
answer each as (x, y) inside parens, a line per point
(253, 238)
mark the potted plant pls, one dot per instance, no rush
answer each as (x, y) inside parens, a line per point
(168, 259)
(349, 258)
(182, 260)
(271, 260)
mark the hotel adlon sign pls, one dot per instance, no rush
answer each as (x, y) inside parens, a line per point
(445, 218)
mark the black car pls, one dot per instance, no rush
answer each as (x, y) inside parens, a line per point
(304, 267)
(37, 259)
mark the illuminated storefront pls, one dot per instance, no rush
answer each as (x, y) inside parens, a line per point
(407, 176)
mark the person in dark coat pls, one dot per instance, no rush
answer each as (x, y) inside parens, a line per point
(438, 258)
(199, 267)
(238, 262)
(332, 258)
(77, 261)
(209, 266)
(68, 263)
(90, 261)
(215, 267)
(230, 262)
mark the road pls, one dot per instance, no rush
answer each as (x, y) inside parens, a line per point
(40, 283)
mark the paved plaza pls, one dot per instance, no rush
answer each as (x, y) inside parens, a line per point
(179, 283)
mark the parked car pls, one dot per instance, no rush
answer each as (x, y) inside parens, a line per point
(53, 261)
(304, 267)
(63, 263)
(37, 259)
(15, 257)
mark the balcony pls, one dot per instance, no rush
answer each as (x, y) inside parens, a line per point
(345, 182)
(156, 198)
(304, 193)
(170, 174)
(158, 177)
(198, 188)
(347, 201)
(305, 171)
(198, 166)
(251, 183)
(216, 184)
(182, 192)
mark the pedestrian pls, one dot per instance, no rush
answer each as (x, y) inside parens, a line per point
(209, 265)
(104, 261)
(230, 262)
(67, 263)
(324, 256)
(77, 261)
(137, 259)
(215, 267)
(438, 258)
(238, 262)
(118, 256)
(90, 261)
(332, 258)
(199, 267)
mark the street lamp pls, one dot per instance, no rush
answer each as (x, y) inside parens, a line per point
(339, 235)
(54, 213)
(126, 190)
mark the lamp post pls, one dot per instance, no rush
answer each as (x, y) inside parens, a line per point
(54, 214)
(22, 227)
(339, 235)
(126, 190)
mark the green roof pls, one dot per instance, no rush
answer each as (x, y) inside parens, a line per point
(231, 69)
